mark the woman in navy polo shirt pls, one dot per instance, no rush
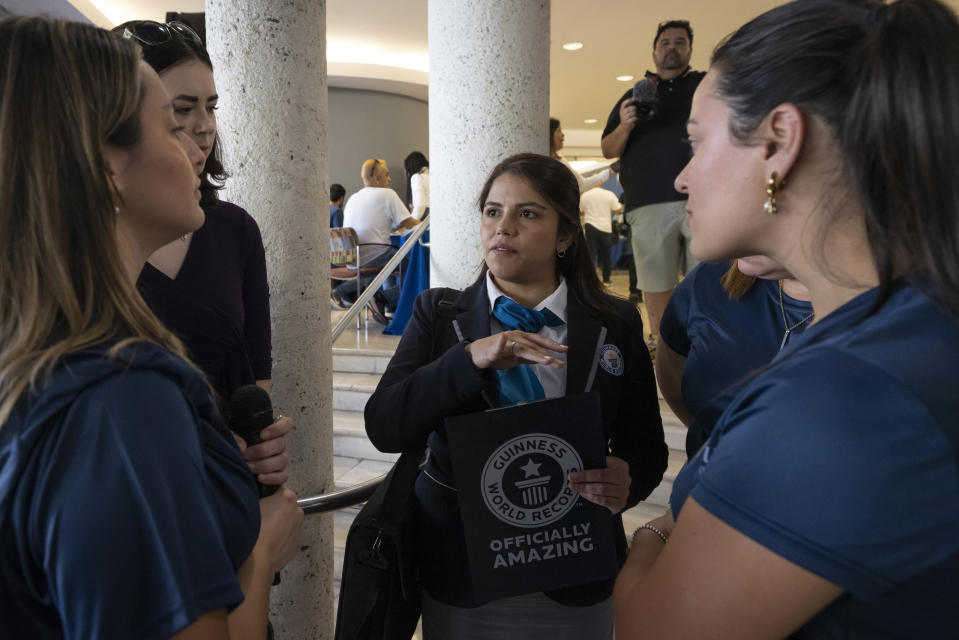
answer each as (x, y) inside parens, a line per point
(722, 324)
(825, 503)
(126, 508)
(537, 312)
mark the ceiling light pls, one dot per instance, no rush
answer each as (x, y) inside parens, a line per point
(624, 78)
(573, 46)
(590, 120)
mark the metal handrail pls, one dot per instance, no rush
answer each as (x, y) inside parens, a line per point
(595, 170)
(381, 277)
(336, 500)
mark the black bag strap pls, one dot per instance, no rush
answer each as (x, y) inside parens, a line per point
(446, 307)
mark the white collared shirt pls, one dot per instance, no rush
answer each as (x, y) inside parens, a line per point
(553, 380)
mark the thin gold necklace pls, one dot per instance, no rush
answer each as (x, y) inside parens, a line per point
(789, 330)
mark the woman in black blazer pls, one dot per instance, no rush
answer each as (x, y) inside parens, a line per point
(452, 357)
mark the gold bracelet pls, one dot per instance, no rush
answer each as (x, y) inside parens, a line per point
(662, 536)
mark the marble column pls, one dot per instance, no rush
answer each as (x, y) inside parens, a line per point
(269, 63)
(489, 98)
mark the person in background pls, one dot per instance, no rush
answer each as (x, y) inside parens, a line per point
(536, 268)
(723, 323)
(209, 286)
(825, 503)
(651, 148)
(417, 184)
(126, 508)
(337, 198)
(597, 206)
(374, 212)
(556, 140)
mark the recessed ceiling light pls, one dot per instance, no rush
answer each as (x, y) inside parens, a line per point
(624, 78)
(573, 46)
(590, 120)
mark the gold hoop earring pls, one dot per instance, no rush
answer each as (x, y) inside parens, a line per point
(771, 190)
(561, 254)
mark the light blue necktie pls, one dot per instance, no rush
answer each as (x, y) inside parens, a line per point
(520, 384)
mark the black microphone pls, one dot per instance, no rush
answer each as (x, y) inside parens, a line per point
(250, 413)
(644, 97)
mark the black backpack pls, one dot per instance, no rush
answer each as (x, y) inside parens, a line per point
(379, 585)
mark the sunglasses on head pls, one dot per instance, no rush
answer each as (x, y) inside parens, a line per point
(152, 33)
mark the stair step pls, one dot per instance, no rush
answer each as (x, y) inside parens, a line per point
(350, 439)
(352, 390)
(361, 360)
(675, 433)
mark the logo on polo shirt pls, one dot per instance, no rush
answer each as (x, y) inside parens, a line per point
(611, 360)
(524, 480)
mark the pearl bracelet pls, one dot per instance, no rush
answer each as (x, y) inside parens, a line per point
(658, 532)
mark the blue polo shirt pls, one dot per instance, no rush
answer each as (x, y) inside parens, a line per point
(843, 458)
(336, 216)
(724, 341)
(125, 505)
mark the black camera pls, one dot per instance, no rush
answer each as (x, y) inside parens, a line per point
(644, 99)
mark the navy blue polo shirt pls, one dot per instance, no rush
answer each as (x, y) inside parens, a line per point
(724, 341)
(843, 458)
(126, 507)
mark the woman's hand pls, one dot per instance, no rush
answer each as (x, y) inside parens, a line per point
(280, 523)
(608, 487)
(268, 460)
(507, 349)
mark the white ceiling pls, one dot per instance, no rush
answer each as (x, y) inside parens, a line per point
(617, 37)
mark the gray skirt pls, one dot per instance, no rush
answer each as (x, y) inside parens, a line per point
(529, 617)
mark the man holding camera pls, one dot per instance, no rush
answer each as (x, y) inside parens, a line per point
(645, 130)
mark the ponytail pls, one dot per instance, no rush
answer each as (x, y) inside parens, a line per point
(901, 140)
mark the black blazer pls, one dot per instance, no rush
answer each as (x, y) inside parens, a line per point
(431, 377)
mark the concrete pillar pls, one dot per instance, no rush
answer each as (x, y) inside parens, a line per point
(270, 68)
(489, 98)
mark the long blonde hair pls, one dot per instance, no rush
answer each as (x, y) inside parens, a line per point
(66, 89)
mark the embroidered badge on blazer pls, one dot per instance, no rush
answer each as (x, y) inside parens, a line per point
(611, 360)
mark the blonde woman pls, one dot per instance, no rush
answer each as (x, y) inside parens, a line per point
(126, 509)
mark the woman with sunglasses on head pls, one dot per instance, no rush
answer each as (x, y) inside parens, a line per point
(825, 503)
(210, 286)
(126, 508)
(537, 308)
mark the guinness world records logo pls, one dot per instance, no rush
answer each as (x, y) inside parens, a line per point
(524, 480)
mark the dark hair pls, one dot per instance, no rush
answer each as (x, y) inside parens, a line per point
(161, 57)
(673, 24)
(413, 164)
(878, 76)
(553, 126)
(336, 192)
(558, 186)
